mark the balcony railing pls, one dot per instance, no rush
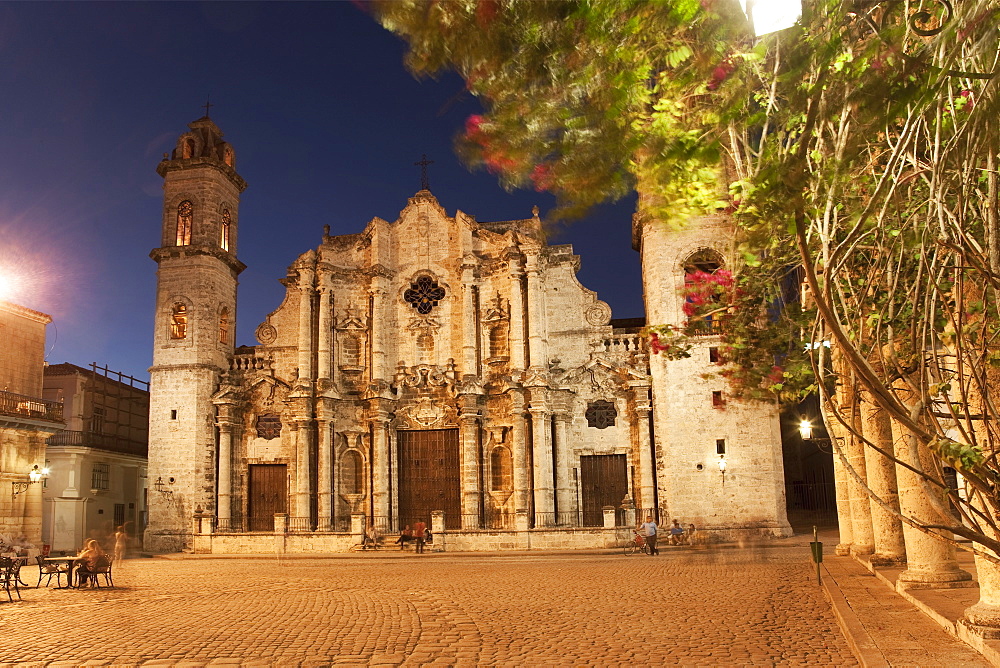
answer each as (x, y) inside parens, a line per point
(89, 439)
(19, 405)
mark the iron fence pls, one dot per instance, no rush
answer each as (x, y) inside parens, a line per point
(20, 405)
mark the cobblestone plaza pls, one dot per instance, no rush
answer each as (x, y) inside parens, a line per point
(756, 605)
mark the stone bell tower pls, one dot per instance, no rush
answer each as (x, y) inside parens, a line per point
(194, 328)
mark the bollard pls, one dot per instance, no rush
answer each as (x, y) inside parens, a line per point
(817, 553)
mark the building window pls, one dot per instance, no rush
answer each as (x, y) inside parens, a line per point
(100, 476)
(351, 473)
(179, 322)
(501, 469)
(713, 355)
(119, 514)
(720, 446)
(224, 326)
(185, 218)
(97, 421)
(227, 222)
(351, 351)
(718, 401)
(424, 294)
(173, 414)
(601, 414)
(187, 148)
(268, 426)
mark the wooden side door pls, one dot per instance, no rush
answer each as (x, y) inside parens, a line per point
(267, 494)
(603, 482)
(429, 476)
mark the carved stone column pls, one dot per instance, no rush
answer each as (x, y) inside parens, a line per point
(537, 352)
(379, 294)
(542, 449)
(519, 447)
(470, 338)
(930, 562)
(646, 473)
(471, 483)
(303, 445)
(324, 472)
(379, 419)
(305, 325)
(517, 356)
(225, 468)
(864, 541)
(887, 529)
(840, 474)
(323, 360)
(565, 493)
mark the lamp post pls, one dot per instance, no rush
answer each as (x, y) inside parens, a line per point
(722, 468)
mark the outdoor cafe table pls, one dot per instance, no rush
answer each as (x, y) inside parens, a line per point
(70, 562)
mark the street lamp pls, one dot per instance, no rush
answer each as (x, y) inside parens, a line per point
(767, 16)
(34, 475)
(722, 468)
(805, 430)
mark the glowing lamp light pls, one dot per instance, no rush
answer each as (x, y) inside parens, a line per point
(805, 430)
(722, 466)
(767, 16)
(35, 474)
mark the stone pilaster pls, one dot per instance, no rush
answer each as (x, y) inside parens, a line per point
(840, 474)
(305, 325)
(645, 472)
(324, 354)
(565, 492)
(324, 472)
(537, 338)
(472, 487)
(519, 437)
(517, 356)
(542, 447)
(379, 420)
(225, 469)
(303, 442)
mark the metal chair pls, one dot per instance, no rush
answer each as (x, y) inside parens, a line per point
(103, 567)
(49, 569)
(9, 571)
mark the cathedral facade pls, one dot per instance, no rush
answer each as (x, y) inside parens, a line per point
(431, 364)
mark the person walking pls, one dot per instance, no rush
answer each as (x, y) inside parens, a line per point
(419, 532)
(648, 531)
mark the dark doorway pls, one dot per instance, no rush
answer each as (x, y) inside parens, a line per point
(268, 495)
(429, 476)
(603, 482)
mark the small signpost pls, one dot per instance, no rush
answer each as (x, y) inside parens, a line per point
(817, 553)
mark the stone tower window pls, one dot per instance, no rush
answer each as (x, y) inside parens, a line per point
(179, 321)
(187, 148)
(227, 156)
(424, 294)
(601, 414)
(501, 469)
(185, 219)
(351, 351)
(498, 340)
(224, 326)
(227, 223)
(351, 473)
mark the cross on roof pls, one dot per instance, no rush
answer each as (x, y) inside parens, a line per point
(208, 105)
(424, 183)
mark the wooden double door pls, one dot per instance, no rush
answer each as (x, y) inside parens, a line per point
(267, 495)
(603, 482)
(429, 476)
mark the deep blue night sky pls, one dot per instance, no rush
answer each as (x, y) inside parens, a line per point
(326, 124)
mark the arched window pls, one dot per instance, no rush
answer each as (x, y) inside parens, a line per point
(351, 473)
(227, 156)
(224, 326)
(179, 321)
(351, 351)
(498, 340)
(424, 294)
(227, 222)
(185, 218)
(705, 280)
(187, 148)
(502, 469)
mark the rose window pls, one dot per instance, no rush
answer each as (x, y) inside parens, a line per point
(424, 294)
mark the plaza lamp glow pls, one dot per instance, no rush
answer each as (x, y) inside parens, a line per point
(805, 430)
(767, 16)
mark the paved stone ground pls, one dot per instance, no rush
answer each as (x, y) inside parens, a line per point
(758, 605)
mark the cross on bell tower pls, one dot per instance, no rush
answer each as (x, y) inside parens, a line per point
(424, 183)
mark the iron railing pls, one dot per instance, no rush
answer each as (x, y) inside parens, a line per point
(108, 442)
(20, 405)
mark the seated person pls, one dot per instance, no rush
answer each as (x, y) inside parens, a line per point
(370, 537)
(677, 534)
(405, 536)
(691, 537)
(88, 561)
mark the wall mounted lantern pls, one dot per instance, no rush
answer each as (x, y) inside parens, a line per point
(35, 475)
